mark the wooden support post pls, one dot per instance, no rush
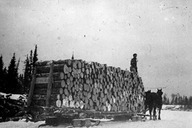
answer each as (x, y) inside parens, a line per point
(50, 82)
(31, 88)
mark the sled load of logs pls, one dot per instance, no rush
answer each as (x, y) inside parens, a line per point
(87, 86)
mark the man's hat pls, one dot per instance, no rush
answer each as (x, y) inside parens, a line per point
(134, 54)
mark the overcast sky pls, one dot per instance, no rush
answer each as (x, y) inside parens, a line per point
(105, 31)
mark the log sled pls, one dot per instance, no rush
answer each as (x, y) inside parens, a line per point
(90, 87)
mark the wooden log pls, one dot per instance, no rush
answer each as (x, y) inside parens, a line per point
(38, 103)
(49, 88)
(31, 88)
(61, 91)
(65, 69)
(40, 91)
(81, 96)
(66, 92)
(44, 63)
(69, 69)
(82, 104)
(71, 78)
(69, 62)
(72, 104)
(61, 75)
(39, 97)
(77, 104)
(37, 86)
(68, 81)
(45, 69)
(88, 95)
(79, 65)
(73, 89)
(63, 84)
(91, 104)
(42, 74)
(74, 64)
(41, 80)
(58, 103)
(56, 84)
(43, 97)
(59, 62)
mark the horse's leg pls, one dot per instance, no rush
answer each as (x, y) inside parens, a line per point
(146, 106)
(154, 113)
(150, 110)
(159, 117)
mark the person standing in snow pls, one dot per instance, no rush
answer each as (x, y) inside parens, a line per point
(133, 67)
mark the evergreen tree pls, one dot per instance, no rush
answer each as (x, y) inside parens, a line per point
(165, 99)
(190, 100)
(21, 85)
(17, 66)
(168, 102)
(2, 75)
(12, 83)
(35, 57)
(176, 101)
(185, 100)
(30, 64)
(180, 100)
(1, 64)
(19, 79)
(31, 61)
(173, 98)
(1, 72)
(4, 80)
(27, 75)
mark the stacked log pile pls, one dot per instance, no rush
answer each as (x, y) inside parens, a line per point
(83, 85)
(11, 109)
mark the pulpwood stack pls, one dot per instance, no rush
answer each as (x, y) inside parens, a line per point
(87, 86)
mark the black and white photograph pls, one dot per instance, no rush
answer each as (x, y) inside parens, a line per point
(95, 63)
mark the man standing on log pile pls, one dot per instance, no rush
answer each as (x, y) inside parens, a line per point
(133, 67)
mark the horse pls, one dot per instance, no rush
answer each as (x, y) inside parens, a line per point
(152, 102)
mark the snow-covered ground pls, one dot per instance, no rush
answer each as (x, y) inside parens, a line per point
(170, 119)
(14, 96)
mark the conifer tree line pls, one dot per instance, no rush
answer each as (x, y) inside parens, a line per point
(177, 99)
(13, 82)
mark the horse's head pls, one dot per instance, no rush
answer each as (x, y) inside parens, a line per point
(159, 92)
